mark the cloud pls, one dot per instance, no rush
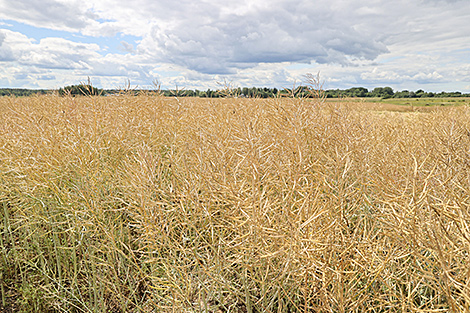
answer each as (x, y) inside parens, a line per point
(127, 47)
(12, 45)
(39, 61)
(6, 54)
(46, 77)
(221, 41)
(67, 15)
(58, 53)
(416, 41)
(211, 36)
(393, 76)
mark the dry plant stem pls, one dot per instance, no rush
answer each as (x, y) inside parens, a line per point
(153, 204)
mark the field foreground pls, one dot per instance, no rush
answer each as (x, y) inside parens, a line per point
(152, 204)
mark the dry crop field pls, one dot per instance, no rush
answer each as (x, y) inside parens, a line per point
(153, 204)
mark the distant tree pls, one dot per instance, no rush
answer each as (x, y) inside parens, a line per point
(357, 92)
(377, 92)
(388, 91)
(382, 92)
(420, 93)
(455, 94)
(245, 91)
(80, 90)
(402, 94)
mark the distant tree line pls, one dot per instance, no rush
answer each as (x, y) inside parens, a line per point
(253, 92)
(236, 92)
(302, 91)
(20, 92)
(387, 92)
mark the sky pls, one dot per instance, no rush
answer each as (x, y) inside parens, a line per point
(200, 44)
